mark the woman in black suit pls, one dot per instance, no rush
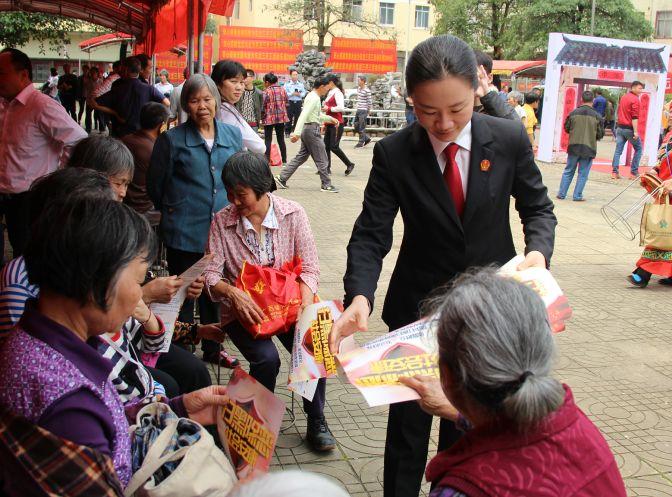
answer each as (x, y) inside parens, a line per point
(451, 174)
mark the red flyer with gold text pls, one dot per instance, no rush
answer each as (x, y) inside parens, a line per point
(375, 368)
(311, 357)
(544, 284)
(249, 424)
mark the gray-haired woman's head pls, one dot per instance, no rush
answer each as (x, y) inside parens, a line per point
(496, 343)
(194, 85)
(289, 484)
(517, 97)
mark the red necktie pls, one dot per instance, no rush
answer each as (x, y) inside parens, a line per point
(452, 177)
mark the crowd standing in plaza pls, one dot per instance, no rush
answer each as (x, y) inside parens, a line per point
(185, 166)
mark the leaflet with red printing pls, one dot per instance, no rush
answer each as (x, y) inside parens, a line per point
(375, 368)
(248, 425)
(311, 357)
(544, 284)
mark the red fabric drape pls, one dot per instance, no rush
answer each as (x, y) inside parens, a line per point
(222, 7)
(170, 26)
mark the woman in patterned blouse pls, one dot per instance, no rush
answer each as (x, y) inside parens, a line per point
(266, 230)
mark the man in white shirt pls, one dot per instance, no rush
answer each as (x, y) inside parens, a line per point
(53, 83)
(36, 137)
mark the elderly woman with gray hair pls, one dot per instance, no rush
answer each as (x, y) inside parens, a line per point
(185, 183)
(516, 100)
(523, 433)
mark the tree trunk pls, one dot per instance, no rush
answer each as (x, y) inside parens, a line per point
(497, 52)
(320, 41)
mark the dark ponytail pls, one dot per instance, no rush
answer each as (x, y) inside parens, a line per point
(438, 57)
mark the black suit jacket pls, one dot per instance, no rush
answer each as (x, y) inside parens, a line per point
(436, 244)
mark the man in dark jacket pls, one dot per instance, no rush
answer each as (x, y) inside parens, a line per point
(487, 99)
(585, 126)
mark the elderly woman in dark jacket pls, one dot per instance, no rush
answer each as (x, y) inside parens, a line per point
(523, 433)
(185, 183)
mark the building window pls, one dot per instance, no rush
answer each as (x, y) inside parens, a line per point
(664, 24)
(352, 10)
(386, 14)
(422, 16)
(41, 71)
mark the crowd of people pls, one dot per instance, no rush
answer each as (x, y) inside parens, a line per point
(186, 167)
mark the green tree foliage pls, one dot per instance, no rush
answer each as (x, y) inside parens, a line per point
(18, 28)
(481, 23)
(518, 29)
(320, 17)
(528, 37)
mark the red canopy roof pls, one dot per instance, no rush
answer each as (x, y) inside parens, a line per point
(158, 24)
(128, 16)
(507, 67)
(108, 39)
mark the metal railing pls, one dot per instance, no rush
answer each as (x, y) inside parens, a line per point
(378, 120)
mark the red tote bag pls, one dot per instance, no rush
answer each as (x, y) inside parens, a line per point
(276, 291)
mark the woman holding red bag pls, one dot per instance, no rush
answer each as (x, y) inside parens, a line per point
(265, 230)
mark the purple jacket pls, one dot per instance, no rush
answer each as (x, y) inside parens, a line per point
(52, 378)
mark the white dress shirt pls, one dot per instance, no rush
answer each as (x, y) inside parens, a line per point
(340, 100)
(36, 137)
(462, 157)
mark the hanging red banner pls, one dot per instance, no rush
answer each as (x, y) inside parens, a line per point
(260, 49)
(175, 63)
(359, 55)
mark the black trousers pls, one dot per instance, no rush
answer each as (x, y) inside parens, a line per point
(182, 369)
(332, 142)
(279, 135)
(14, 207)
(178, 262)
(265, 363)
(88, 111)
(70, 106)
(293, 112)
(82, 106)
(407, 445)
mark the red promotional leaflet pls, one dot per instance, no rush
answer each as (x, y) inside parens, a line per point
(544, 284)
(311, 357)
(249, 424)
(375, 367)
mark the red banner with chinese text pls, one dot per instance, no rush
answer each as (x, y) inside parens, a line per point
(359, 55)
(260, 49)
(175, 63)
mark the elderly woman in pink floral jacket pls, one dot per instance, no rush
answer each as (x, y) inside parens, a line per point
(266, 230)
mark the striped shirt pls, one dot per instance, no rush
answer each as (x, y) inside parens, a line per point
(15, 290)
(364, 100)
(129, 376)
